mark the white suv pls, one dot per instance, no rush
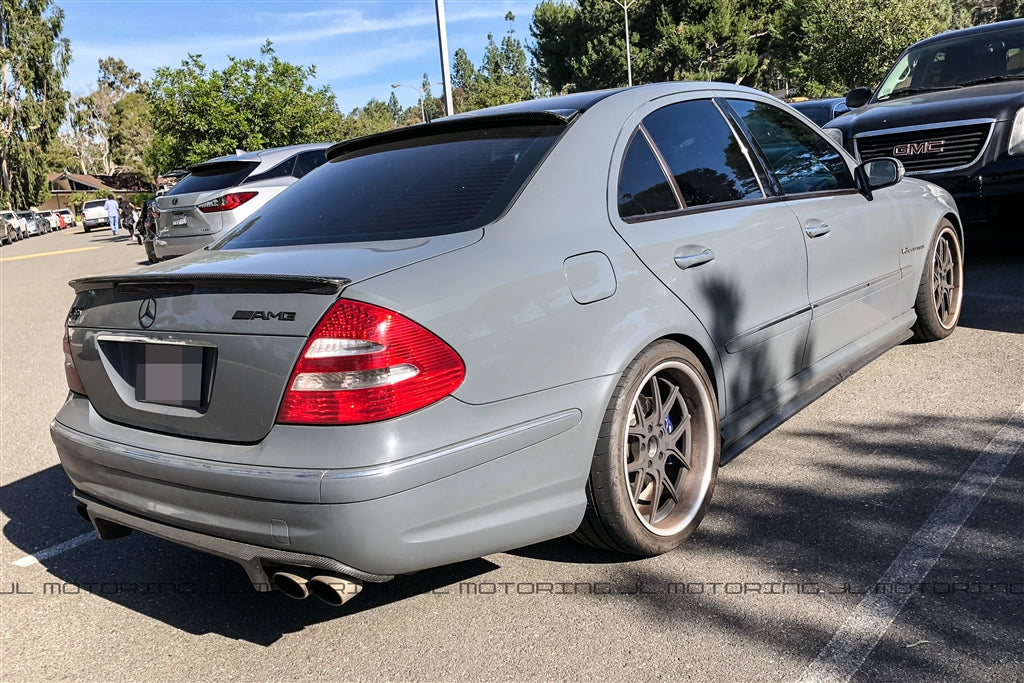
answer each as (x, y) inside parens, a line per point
(219, 194)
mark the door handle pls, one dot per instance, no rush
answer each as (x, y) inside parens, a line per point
(817, 230)
(690, 260)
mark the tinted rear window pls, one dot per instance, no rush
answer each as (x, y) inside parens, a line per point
(217, 177)
(431, 185)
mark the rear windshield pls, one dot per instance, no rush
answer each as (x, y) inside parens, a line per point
(94, 203)
(431, 185)
(214, 177)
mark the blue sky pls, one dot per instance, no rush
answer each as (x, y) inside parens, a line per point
(359, 47)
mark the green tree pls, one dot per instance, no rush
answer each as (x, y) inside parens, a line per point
(375, 117)
(109, 128)
(581, 45)
(396, 110)
(251, 104)
(851, 43)
(131, 133)
(503, 75)
(34, 59)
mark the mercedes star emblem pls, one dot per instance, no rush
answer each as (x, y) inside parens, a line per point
(147, 313)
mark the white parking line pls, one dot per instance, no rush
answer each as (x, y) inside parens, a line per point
(851, 645)
(47, 553)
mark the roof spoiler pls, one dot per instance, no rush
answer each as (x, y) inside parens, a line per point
(449, 125)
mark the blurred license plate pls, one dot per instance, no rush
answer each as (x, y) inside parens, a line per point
(179, 219)
(170, 375)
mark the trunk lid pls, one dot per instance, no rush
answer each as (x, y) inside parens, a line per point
(204, 347)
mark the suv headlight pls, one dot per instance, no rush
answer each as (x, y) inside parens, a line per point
(1016, 145)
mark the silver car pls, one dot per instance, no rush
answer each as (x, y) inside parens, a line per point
(219, 194)
(10, 225)
(30, 223)
(555, 317)
(48, 220)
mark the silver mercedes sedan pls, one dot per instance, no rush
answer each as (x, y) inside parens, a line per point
(558, 317)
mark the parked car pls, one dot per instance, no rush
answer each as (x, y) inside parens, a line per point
(11, 227)
(821, 111)
(94, 214)
(220, 193)
(52, 222)
(30, 223)
(69, 218)
(548, 318)
(952, 110)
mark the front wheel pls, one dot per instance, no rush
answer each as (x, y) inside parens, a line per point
(656, 458)
(940, 294)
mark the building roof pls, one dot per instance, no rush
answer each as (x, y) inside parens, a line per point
(76, 181)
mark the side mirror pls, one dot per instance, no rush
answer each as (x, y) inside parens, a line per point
(883, 172)
(858, 97)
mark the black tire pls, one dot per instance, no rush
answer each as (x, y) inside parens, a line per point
(656, 458)
(940, 294)
(86, 228)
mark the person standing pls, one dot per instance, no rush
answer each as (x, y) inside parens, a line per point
(127, 210)
(112, 213)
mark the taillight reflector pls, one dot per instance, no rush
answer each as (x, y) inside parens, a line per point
(364, 363)
(74, 380)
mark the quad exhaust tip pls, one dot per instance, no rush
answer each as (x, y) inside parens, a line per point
(299, 583)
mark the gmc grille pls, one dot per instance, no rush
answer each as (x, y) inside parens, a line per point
(934, 149)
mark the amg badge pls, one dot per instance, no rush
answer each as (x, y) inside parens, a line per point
(284, 316)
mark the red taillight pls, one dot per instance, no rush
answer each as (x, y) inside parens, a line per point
(226, 203)
(364, 363)
(74, 380)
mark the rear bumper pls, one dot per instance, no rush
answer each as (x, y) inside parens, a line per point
(95, 222)
(169, 246)
(509, 486)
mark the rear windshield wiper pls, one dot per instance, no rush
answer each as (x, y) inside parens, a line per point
(903, 92)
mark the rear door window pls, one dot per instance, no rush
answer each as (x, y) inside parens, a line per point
(707, 161)
(643, 187)
(433, 184)
(694, 145)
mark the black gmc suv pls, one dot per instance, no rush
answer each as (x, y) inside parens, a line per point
(952, 110)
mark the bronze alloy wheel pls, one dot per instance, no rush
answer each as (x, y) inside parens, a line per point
(656, 460)
(940, 295)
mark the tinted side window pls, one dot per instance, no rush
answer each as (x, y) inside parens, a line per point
(282, 170)
(801, 160)
(706, 160)
(307, 161)
(434, 184)
(643, 187)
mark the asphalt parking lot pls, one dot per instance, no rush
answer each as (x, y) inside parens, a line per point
(875, 536)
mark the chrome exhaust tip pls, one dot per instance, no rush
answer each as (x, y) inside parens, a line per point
(293, 585)
(335, 590)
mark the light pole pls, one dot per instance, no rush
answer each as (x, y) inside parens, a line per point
(625, 5)
(419, 91)
(446, 72)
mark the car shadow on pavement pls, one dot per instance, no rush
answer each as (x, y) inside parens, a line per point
(183, 588)
(835, 524)
(994, 294)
